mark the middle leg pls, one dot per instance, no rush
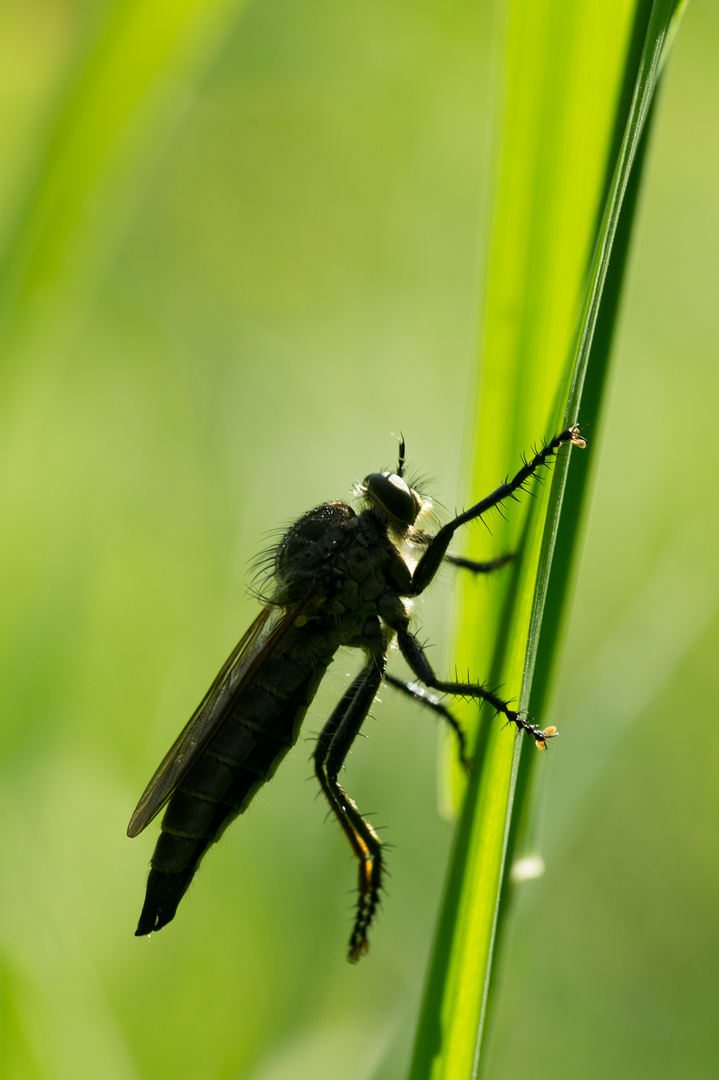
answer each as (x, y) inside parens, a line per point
(416, 692)
(415, 656)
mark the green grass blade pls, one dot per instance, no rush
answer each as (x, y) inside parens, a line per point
(120, 100)
(523, 394)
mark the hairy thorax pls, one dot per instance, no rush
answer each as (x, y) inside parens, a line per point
(354, 571)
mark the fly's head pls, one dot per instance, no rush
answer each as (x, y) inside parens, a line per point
(389, 497)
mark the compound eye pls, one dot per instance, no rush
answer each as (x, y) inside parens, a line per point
(390, 493)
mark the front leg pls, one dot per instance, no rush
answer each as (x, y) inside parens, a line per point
(436, 549)
(475, 565)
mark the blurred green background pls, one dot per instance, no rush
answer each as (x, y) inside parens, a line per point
(206, 334)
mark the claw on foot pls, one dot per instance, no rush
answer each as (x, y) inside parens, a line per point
(576, 439)
(540, 737)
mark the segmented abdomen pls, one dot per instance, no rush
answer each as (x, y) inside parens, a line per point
(260, 727)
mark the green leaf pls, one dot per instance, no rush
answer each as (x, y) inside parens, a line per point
(567, 193)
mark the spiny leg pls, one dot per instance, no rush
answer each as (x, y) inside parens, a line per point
(333, 746)
(420, 665)
(436, 549)
(418, 693)
(475, 566)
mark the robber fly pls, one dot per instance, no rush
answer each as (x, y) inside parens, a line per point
(339, 578)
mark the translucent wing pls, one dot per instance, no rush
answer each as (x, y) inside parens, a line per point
(237, 671)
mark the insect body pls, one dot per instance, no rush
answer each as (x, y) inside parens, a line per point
(340, 580)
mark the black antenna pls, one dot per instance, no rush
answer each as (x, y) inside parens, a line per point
(400, 466)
